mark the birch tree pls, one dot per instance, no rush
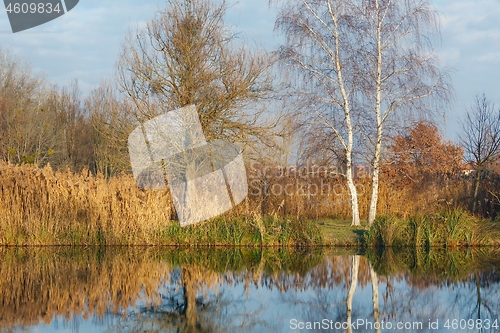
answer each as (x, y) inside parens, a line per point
(368, 59)
(318, 49)
(401, 70)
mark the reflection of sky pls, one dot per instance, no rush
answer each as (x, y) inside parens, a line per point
(84, 44)
(268, 310)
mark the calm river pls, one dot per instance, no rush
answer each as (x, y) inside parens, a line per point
(245, 290)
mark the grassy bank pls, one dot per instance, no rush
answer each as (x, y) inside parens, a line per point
(442, 229)
(266, 231)
(340, 233)
(216, 232)
(454, 228)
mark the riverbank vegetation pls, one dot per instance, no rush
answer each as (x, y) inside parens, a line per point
(65, 172)
(447, 229)
(44, 207)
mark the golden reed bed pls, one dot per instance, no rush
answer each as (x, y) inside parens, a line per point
(42, 206)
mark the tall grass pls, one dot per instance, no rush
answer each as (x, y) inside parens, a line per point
(322, 195)
(450, 228)
(42, 206)
(46, 207)
(243, 231)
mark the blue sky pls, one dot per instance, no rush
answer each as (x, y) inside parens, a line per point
(84, 43)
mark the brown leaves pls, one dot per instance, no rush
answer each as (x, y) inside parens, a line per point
(421, 155)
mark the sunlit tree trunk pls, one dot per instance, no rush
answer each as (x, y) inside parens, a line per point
(372, 214)
(378, 145)
(349, 172)
(476, 189)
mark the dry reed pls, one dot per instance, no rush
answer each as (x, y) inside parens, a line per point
(320, 195)
(42, 206)
(46, 207)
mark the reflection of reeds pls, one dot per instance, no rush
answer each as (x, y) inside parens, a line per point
(37, 284)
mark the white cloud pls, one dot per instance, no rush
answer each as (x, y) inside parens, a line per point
(83, 41)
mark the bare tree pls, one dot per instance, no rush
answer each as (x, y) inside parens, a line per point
(480, 138)
(29, 132)
(400, 68)
(187, 56)
(318, 46)
(111, 122)
(75, 146)
(362, 61)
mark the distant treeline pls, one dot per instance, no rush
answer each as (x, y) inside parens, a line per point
(42, 124)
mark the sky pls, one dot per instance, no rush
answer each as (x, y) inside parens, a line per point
(84, 44)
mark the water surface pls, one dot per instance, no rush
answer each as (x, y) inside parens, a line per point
(247, 290)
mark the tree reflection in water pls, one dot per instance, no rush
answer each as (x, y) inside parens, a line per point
(228, 290)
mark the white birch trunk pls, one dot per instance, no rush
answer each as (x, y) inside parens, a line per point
(372, 214)
(350, 137)
(352, 188)
(378, 145)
